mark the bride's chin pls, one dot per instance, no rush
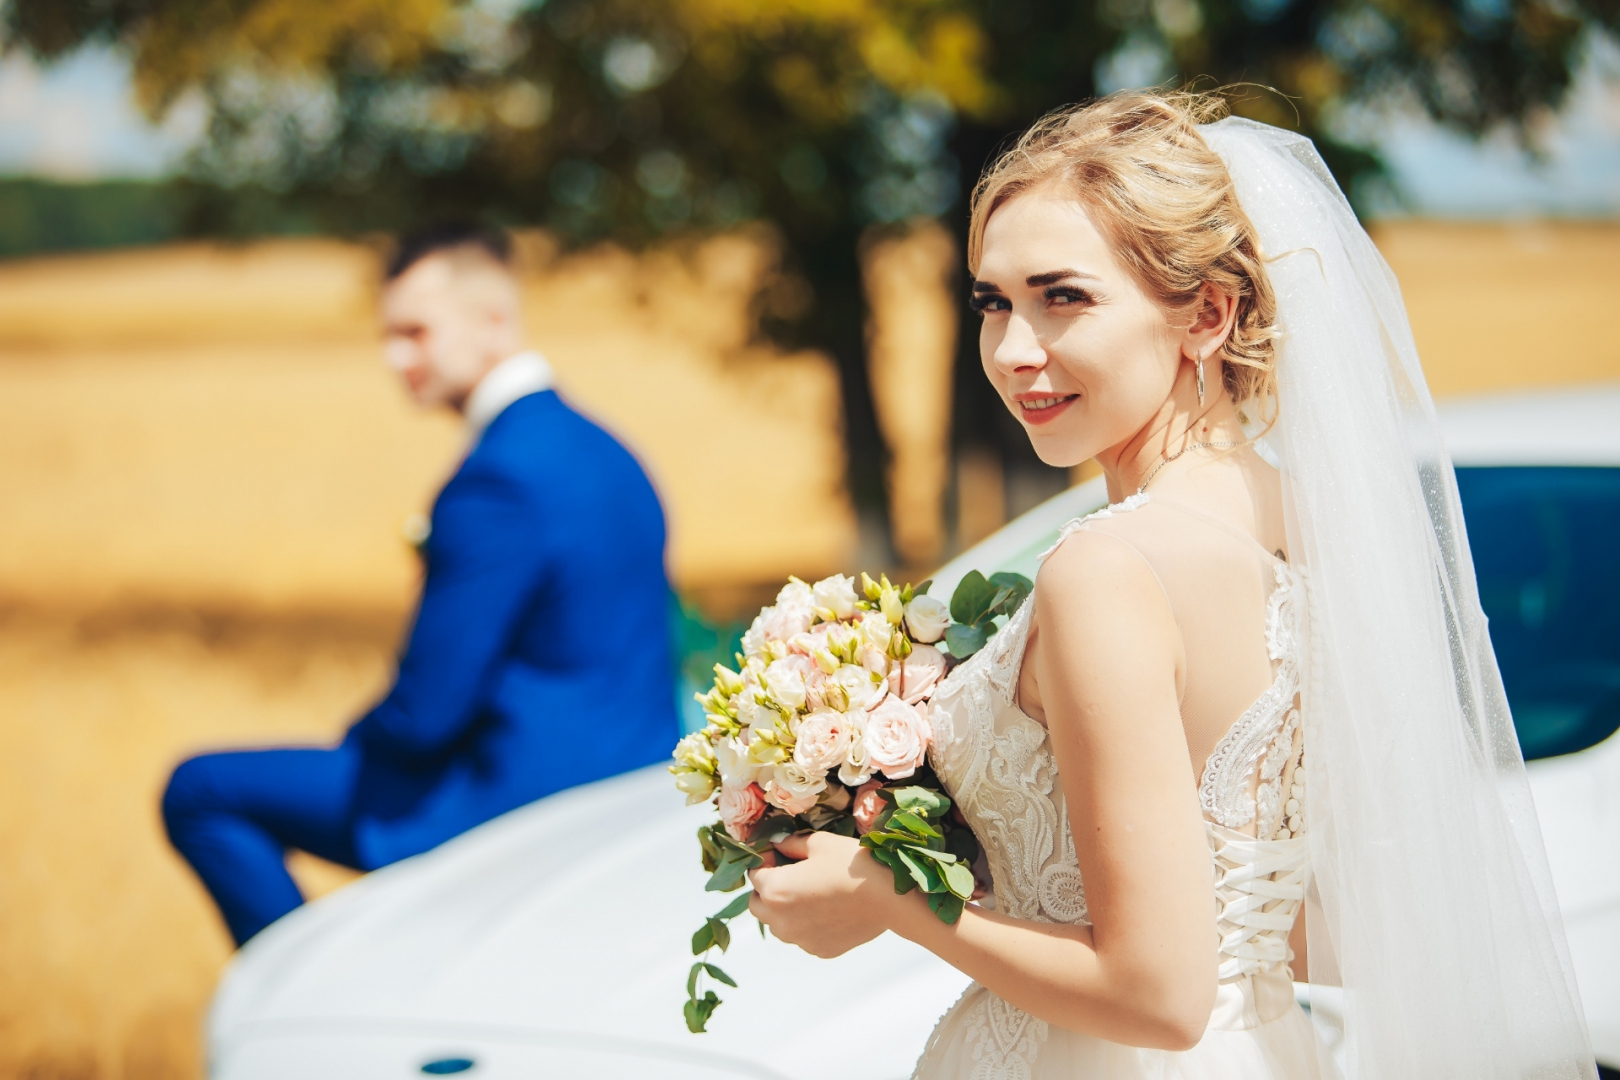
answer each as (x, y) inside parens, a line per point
(1058, 451)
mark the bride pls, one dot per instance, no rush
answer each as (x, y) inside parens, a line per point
(1250, 719)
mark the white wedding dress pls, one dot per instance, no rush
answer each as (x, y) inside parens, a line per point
(1428, 901)
(1236, 605)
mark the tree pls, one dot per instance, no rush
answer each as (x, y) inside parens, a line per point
(640, 119)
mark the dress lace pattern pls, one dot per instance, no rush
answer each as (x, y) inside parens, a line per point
(998, 765)
(1263, 736)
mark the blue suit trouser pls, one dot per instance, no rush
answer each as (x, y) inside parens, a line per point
(234, 815)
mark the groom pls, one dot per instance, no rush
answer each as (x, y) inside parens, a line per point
(540, 654)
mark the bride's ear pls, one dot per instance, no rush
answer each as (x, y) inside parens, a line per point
(1214, 315)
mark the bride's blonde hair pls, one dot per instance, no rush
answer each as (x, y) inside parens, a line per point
(1164, 200)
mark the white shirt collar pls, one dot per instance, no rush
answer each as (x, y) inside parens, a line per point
(515, 377)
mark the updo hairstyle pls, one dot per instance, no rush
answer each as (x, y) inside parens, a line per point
(1165, 202)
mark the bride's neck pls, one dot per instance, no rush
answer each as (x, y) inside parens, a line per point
(1176, 425)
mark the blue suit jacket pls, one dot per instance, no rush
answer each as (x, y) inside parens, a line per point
(540, 655)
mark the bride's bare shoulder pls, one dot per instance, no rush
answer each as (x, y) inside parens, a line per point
(1094, 579)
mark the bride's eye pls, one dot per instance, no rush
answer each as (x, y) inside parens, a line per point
(985, 302)
(1066, 295)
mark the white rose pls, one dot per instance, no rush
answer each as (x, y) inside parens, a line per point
(795, 594)
(793, 612)
(897, 737)
(784, 681)
(822, 741)
(862, 687)
(793, 789)
(927, 619)
(753, 641)
(857, 768)
(732, 762)
(834, 597)
(875, 631)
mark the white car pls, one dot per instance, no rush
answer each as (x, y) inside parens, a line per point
(555, 940)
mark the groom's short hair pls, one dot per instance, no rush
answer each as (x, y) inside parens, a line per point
(457, 236)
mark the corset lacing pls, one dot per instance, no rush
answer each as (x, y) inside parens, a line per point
(1259, 886)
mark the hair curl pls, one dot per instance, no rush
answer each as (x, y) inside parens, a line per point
(1167, 205)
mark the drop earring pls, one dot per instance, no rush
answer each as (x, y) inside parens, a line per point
(1198, 365)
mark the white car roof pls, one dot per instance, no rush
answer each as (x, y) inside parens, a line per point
(1577, 425)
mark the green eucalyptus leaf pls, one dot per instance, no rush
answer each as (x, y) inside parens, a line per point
(721, 932)
(703, 940)
(1019, 586)
(736, 907)
(711, 849)
(719, 975)
(912, 823)
(698, 1012)
(924, 801)
(970, 603)
(934, 854)
(948, 906)
(922, 871)
(922, 590)
(964, 640)
(733, 870)
(959, 879)
(1001, 596)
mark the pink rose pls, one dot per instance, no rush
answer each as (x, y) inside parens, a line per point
(897, 738)
(868, 805)
(815, 684)
(787, 619)
(915, 677)
(822, 741)
(740, 807)
(794, 789)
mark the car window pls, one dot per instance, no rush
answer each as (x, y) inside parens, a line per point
(1545, 552)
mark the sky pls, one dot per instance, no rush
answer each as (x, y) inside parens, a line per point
(77, 120)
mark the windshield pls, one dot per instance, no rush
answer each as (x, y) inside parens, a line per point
(1545, 551)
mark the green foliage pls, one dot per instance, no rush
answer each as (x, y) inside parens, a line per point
(910, 837)
(713, 934)
(728, 860)
(976, 604)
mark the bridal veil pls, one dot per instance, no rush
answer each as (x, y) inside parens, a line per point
(1432, 905)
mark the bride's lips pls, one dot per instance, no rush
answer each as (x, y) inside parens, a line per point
(1041, 409)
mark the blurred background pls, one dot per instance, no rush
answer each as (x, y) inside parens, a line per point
(740, 229)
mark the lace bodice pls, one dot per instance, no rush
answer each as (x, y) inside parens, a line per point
(998, 765)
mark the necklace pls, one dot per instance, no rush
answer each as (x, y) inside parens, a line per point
(1194, 446)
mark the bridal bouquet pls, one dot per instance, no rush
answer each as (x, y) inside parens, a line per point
(824, 726)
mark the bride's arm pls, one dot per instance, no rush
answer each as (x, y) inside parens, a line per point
(1144, 972)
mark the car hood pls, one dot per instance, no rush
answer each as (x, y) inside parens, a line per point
(568, 922)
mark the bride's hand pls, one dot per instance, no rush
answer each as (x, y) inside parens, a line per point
(832, 898)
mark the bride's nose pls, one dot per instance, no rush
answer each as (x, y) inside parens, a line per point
(1019, 349)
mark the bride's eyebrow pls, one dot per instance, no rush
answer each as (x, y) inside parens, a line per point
(985, 287)
(1052, 277)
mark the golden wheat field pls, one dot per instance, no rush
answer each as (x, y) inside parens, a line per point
(204, 472)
